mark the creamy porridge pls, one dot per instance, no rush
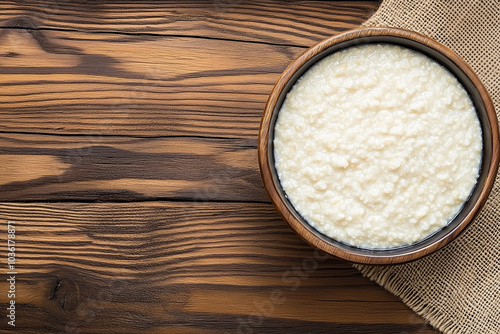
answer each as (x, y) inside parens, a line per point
(377, 146)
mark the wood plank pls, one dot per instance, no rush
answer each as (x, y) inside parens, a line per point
(272, 22)
(79, 83)
(68, 82)
(100, 168)
(156, 267)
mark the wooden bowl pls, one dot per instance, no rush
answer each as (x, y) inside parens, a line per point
(441, 54)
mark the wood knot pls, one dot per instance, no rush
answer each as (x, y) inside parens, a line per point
(32, 27)
(11, 54)
(65, 293)
(25, 22)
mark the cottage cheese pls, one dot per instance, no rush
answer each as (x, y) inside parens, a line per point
(377, 146)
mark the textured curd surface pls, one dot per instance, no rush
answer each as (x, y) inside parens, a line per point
(377, 146)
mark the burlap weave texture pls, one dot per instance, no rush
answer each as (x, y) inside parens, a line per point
(457, 289)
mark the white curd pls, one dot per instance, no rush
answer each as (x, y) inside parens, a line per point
(377, 146)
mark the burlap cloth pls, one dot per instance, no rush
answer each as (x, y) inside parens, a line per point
(457, 289)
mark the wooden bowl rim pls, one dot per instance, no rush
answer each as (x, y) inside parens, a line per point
(361, 255)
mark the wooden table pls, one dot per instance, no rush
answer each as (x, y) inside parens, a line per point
(128, 143)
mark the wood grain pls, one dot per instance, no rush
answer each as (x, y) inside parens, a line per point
(139, 121)
(143, 84)
(204, 267)
(281, 22)
(109, 168)
(91, 86)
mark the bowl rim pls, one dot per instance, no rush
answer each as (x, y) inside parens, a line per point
(362, 36)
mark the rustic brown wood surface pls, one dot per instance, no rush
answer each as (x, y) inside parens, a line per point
(128, 166)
